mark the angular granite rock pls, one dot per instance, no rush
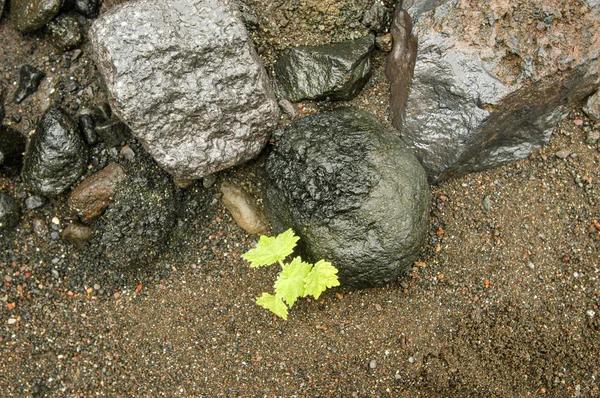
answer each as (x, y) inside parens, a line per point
(352, 191)
(334, 72)
(490, 80)
(56, 155)
(30, 15)
(184, 76)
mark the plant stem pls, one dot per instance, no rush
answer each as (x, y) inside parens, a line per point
(280, 263)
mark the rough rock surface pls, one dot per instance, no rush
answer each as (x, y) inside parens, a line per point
(56, 155)
(243, 209)
(30, 15)
(9, 211)
(87, 8)
(65, 32)
(12, 146)
(490, 80)
(352, 191)
(186, 79)
(29, 80)
(90, 198)
(135, 228)
(334, 72)
(592, 106)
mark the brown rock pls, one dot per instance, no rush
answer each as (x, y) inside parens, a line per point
(77, 234)
(94, 194)
(244, 210)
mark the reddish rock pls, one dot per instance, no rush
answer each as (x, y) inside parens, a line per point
(94, 194)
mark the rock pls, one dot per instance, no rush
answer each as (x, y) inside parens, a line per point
(331, 72)
(593, 137)
(34, 202)
(2, 7)
(39, 227)
(195, 93)
(113, 132)
(136, 227)
(86, 121)
(93, 195)
(29, 80)
(487, 88)
(592, 106)
(416, 8)
(244, 210)
(87, 8)
(593, 4)
(77, 234)
(65, 32)
(563, 154)
(384, 42)
(30, 15)
(56, 155)
(10, 213)
(12, 146)
(352, 191)
(377, 18)
(1, 93)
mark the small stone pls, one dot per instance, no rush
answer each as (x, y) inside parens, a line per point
(591, 313)
(55, 273)
(531, 265)
(16, 117)
(411, 359)
(87, 124)
(113, 132)
(34, 202)
(55, 260)
(377, 18)
(30, 15)
(384, 42)
(562, 154)
(10, 213)
(288, 108)
(592, 106)
(593, 137)
(77, 234)
(29, 80)
(127, 153)
(487, 204)
(209, 180)
(372, 364)
(11, 321)
(87, 8)
(39, 227)
(55, 221)
(65, 32)
(244, 210)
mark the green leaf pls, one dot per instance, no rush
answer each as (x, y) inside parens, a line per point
(322, 276)
(270, 250)
(290, 283)
(273, 304)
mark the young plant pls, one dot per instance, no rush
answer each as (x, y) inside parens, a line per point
(296, 279)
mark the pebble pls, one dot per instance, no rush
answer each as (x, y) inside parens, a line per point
(65, 32)
(39, 227)
(11, 321)
(593, 137)
(10, 212)
(34, 202)
(562, 154)
(531, 265)
(244, 210)
(411, 359)
(372, 364)
(29, 81)
(55, 273)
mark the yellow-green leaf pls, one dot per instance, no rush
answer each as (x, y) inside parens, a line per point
(322, 276)
(270, 250)
(290, 283)
(273, 304)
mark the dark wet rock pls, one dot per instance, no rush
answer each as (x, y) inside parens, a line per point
(195, 93)
(94, 194)
(1, 98)
(352, 191)
(12, 146)
(136, 227)
(87, 125)
(77, 234)
(592, 106)
(2, 7)
(29, 80)
(16, 117)
(332, 72)
(377, 18)
(113, 132)
(243, 209)
(475, 104)
(30, 15)
(66, 33)
(56, 155)
(34, 202)
(103, 111)
(87, 8)
(10, 212)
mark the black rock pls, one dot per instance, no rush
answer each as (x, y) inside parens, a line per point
(30, 15)
(29, 80)
(34, 202)
(113, 132)
(352, 191)
(87, 8)
(66, 33)
(1, 96)
(12, 146)
(56, 155)
(9, 211)
(136, 227)
(334, 72)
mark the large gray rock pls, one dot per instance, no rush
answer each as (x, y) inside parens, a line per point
(30, 15)
(489, 82)
(56, 155)
(184, 76)
(352, 191)
(334, 72)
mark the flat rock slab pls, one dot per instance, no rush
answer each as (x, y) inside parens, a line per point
(490, 80)
(352, 191)
(184, 76)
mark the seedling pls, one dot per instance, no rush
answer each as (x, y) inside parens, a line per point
(296, 279)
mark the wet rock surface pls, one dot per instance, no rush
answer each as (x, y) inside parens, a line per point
(56, 155)
(87, 8)
(334, 72)
(29, 80)
(30, 15)
(90, 198)
(483, 92)
(244, 210)
(10, 212)
(66, 33)
(193, 114)
(352, 191)
(12, 147)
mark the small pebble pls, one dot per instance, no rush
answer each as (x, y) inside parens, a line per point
(531, 265)
(55, 273)
(12, 321)
(372, 364)
(411, 359)
(562, 154)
